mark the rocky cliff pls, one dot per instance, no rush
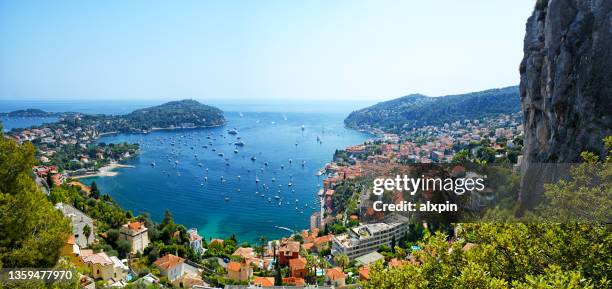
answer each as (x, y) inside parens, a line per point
(566, 86)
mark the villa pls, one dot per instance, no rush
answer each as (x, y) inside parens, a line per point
(335, 277)
(137, 234)
(104, 267)
(177, 270)
(195, 241)
(263, 281)
(239, 271)
(297, 267)
(288, 250)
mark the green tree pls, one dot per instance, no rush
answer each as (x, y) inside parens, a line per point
(278, 278)
(50, 182)
(87, 233)
(513, 255)
(342, 260)
(31, 229)
(584, 196)
(262, 246)
(124, 247)
(95, 192)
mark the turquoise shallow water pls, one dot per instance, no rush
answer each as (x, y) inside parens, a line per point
(218, 206)
(194, 202)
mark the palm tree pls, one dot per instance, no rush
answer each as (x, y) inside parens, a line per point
(262, 242)
(87, 233)
(311, 264)
(341, 260)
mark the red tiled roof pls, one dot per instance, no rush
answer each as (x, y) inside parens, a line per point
(290, 246)
(323, 239)
(297, 263)
(335, 273)
(134, 226)
(233, 266)
(99, 258)
(244, 252)
(264, 281)
(294, 281)
(307, 246)
(364, 273)
(168, 262)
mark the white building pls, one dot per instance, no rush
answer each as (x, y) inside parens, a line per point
(175, 267)
(367, 238)
(195, 241)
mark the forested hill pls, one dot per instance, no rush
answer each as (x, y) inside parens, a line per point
(418, 110)
(31, 112)
(177, 113)
(183, 113)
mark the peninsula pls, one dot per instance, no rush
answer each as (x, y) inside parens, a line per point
(70, 144)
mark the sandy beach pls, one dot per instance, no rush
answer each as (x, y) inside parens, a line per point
(105, 171)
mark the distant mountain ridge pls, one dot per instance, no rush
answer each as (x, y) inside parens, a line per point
(417, 110)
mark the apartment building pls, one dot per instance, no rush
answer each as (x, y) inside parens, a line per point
(367, 238)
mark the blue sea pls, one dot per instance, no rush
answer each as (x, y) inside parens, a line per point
(179, 171)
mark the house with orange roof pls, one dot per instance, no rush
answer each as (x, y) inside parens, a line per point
(80, 186)
(329, 203)
(292, 281)
(71, 249)
(308, 246)
(175, 267)
(335, 277)
(244, 252)
(248, 255)
(364, 273)
(239, 271)
(58, 179)
(288, 250)
(136, 234)
(104, 267)
(297, 267)
(189, 281)
(323, 242)
(263, 281)
(169, 266)
(100, 265)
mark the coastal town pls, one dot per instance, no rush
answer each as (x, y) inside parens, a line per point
(409, 145)
(114, 248)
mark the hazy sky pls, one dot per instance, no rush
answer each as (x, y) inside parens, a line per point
(352, 50)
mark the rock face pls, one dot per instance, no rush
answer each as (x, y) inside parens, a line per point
(566, 86)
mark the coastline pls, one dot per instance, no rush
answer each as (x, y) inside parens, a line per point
(105, 171)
